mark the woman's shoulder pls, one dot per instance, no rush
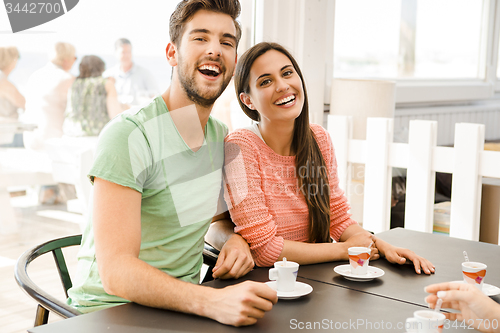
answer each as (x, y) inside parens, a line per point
(322, 136)
(244, 136)
(244, 140)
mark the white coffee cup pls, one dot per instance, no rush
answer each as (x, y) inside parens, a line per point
(285, 274)
(474, 273)
(358, 259)
(425, 321)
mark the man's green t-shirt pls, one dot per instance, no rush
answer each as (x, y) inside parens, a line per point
(143, 150)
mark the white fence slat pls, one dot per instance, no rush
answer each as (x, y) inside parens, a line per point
(420, 178)
(378, 174)
(340, 130)
(399, 155)
(490, 164)
(466, 183)
(443, 159)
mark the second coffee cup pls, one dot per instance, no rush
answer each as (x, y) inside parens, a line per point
(285, 274)
(474, 273)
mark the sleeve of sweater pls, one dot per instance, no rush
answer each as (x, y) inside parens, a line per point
(340, 219)
(246, 200)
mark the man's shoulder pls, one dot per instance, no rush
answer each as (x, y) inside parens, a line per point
(217, 128)
(136, 116)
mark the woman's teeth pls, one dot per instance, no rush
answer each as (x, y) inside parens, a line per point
(286, 100)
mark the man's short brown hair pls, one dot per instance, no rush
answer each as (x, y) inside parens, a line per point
(187, 8)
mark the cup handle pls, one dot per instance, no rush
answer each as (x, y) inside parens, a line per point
(411, 325)
(273, 274)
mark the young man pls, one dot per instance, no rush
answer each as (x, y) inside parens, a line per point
(157, 178)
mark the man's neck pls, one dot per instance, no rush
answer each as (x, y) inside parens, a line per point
(176, 98)
(126, 67)
(189, 118)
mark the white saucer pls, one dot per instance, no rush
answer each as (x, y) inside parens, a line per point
(345, 271)
(301, 289)
(488, 289)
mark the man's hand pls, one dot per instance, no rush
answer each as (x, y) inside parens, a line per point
(235, 259)
(241, 304)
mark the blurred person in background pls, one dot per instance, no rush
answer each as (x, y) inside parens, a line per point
(46, 99)
(10, 98)
(46, 96)
(134, 83)
(92, 100)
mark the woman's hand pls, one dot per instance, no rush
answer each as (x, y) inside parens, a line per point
(399, 255)
(475, 308)
(363, 239)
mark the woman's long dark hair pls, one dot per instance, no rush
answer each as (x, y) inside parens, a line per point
(314, 183)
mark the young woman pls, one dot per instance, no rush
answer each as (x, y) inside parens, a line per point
(282, 185)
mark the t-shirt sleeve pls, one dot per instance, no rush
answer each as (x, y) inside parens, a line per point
(123, 155)
(340, 218)
(246, 201)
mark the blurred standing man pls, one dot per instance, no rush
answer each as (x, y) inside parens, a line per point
(157, 180)
(134, 83)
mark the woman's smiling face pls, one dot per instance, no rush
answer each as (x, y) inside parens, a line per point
(276, 90)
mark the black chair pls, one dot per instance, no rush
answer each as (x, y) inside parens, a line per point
(210, 255)
(46, 302)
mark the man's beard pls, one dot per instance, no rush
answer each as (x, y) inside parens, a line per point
(192, 90)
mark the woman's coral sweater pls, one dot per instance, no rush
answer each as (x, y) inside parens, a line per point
(263, 197)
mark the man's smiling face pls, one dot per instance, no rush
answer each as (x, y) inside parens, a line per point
(206, 56)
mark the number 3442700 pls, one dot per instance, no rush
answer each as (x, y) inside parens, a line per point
(33, 8)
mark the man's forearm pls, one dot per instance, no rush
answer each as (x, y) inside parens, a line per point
(125, 278)
(237, 305)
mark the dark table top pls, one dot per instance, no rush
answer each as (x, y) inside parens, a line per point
(326, 306)
(400, 281)
(334, 304)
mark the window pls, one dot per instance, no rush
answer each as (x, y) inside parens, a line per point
(409, 39)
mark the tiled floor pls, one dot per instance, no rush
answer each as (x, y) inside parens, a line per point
(37, 224)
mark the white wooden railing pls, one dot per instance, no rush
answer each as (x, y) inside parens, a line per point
(422, 158)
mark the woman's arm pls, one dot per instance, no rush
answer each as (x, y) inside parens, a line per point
(311, 253)
(235, 258)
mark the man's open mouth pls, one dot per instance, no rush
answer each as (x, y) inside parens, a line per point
(209, 70)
